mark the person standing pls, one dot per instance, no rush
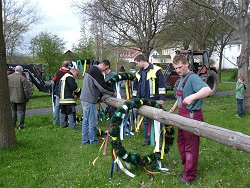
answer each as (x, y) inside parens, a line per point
(240, 90)
(68, 90)
(149, 84)
(122, 84)
(93, 86)
(20, 92)
(189, 91)
(108, 74)
(57, 77)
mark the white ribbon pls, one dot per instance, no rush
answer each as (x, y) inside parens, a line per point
(124, 169)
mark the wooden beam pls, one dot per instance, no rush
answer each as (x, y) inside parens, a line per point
(233, 139)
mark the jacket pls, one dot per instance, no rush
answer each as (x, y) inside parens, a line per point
(67, 89)
(20, 88)
(57, 77)
(154, 87)
(94, 85)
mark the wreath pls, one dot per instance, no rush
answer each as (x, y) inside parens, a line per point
(135, 158)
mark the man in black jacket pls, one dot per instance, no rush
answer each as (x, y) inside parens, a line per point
(68, 89)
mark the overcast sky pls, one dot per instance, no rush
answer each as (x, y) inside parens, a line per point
(59, 19)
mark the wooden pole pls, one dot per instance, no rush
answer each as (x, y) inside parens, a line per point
(233, 139)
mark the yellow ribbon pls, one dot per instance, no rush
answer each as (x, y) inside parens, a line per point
(94, 161)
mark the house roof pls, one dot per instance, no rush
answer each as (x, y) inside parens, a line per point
(130, 53)
(162, 56)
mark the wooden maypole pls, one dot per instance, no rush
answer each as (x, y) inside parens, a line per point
(234, 139)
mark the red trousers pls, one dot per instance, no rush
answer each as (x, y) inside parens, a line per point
(188, 144)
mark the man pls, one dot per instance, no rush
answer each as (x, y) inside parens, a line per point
(149, 84)
(20, 92)
(189, 91)
(108, 74)
(93, 86)
(57, 77)
(68, 89)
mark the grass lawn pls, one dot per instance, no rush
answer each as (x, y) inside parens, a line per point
(54, 157)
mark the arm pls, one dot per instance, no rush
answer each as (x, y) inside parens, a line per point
(202, 93)
(161, 86)
(27, 88)
(239, 86)
(174, 107)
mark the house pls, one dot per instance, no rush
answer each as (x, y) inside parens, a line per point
(229, 56)
(159, 59)
(129, 54)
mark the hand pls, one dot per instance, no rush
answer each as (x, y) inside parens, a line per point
(188, 100)
(160, 102)
(171, 110)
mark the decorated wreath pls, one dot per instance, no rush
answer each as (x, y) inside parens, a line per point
(132, 157)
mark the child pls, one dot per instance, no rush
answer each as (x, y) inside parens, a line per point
(240, 89)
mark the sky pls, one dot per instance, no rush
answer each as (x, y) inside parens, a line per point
(59, 19)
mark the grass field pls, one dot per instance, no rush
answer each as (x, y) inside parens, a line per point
(54, 157)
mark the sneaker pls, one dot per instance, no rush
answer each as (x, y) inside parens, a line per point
(237, 116)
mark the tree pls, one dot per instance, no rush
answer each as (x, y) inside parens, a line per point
(138, 22)
(7, 133)
(49, 49)
(85, 49)
(242, 26)
(18, 17)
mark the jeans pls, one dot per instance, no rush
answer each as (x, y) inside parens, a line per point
(18, 112)
(56, 111)
(240, 107)
(89, 123)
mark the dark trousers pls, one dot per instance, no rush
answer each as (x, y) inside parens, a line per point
(240, 107)
(18, 113)
(68, 111)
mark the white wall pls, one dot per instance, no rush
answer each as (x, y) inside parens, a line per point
(230, 54)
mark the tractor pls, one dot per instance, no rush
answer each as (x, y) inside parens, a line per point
(199, 64)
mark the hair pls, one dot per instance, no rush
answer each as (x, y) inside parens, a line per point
(66, 63)
(241, 77)
(106, 62)
(122, 69)
(180, 58)
(74, 70)
(19, 69)
(141, 57)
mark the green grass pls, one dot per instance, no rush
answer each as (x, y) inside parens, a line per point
(225, 86)
(54, 157)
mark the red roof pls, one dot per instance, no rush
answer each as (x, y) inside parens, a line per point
(130, 53)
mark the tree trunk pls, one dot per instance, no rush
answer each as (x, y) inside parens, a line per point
(7, 133)
(226, 137)
(243, 60)
(220, 64)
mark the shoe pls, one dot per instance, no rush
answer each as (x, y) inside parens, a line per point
(84, 143)
(145, 143)
(20, 127)
(237, 116)
(183, 181)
